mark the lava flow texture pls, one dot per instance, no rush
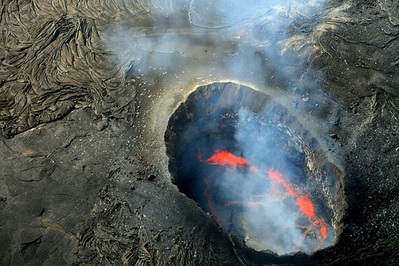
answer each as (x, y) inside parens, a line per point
(227, 161)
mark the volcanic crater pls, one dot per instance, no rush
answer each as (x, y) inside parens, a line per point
(249, 163)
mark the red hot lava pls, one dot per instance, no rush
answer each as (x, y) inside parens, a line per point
(225, 158)
(303, 202)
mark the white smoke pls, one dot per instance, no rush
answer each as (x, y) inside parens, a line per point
(268, 217)
(245, 39)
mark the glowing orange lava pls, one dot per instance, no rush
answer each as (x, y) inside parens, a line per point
(306, 206)
(323, 231)
(303, 202)
(224, 158)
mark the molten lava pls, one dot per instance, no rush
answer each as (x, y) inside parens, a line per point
(303, 202)
(224, 158)
(230, 162)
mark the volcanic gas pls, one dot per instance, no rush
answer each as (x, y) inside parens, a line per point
(249, 163)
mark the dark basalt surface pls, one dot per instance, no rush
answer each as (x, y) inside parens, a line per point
(87, 89)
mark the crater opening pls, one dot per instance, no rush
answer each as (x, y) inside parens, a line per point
(247, 161)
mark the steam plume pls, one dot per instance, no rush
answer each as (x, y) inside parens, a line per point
(246, 40)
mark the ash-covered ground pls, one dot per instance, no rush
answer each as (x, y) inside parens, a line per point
(87, 89)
